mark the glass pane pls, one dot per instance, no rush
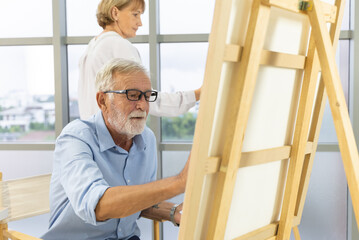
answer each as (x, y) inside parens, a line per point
(172, 164)
(146, 228)
(186, 16)
(27, 109)
(75, 52)
(23, 18)
(325, 209)
(81, 18)
(327, 132)
(346, 17)
(182, 68)
(33, 226)
(144, 50)
(21, 164)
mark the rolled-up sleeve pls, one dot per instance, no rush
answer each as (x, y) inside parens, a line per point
(81, 178)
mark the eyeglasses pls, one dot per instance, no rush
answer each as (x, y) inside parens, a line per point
(135, 95)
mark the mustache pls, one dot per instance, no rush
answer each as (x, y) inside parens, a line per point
(137, 113)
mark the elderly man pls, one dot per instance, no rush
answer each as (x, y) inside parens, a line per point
(104, 168)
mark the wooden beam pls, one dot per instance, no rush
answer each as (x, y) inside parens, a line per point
(212, 165)
(3, 229)
(264, 156)
(346, 139)
(256, 157)
(248, 71)
(283, 60)
(260, 233)
(205, 119)
(296, 163)
(232, 53)
(317, 118)
(296, 233)
(156, 230)
(267, 232)
(296, 221)
(272, 238)
(275, 59)
(329, 11)
(269, 155)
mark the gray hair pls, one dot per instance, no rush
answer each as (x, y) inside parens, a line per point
(104, 81)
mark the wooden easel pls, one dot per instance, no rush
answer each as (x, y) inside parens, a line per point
(246, 60)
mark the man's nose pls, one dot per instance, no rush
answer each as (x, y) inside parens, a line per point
(142, 104)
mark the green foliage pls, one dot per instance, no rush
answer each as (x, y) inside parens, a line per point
(41, 126)
(179, 128)
(12, 129)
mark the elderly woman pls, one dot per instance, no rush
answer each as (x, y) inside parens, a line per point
(120, 19)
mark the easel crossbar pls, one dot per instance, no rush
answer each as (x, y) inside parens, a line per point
(254, 158)
(265, 232)
(233, 53)
(329, 11)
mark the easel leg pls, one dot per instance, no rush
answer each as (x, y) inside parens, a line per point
(156, 230)
(346, 139)
(296, 233)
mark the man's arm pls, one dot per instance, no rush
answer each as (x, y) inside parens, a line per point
(161, 212)
(122, 201)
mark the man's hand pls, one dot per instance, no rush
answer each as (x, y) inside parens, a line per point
(122, 201)
(178, 213)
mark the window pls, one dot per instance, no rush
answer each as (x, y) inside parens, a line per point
(173, 163)
(27, 108)
(182, 69)
(185, 16)
(20, 18)
(82, 21)
(29, 79)
(327, 132)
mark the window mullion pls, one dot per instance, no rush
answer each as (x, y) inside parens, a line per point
(60, 65)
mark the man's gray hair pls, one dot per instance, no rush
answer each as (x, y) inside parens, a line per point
(104, 81)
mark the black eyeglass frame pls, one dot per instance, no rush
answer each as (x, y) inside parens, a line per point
(139, 96)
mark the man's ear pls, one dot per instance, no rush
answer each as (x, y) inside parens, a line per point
(101, 100)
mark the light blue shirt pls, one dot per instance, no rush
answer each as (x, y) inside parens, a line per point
(86, 163)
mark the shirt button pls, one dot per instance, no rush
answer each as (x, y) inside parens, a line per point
(128, 180)
(120, 229)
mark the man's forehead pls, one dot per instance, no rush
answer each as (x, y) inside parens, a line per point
(134, 79)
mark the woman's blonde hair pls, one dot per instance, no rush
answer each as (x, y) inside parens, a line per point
(104, 15)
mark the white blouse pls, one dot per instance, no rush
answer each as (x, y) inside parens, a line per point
(111, 45)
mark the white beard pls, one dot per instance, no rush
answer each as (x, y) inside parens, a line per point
(131, 126)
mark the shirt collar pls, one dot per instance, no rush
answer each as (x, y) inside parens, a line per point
(105, 139)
